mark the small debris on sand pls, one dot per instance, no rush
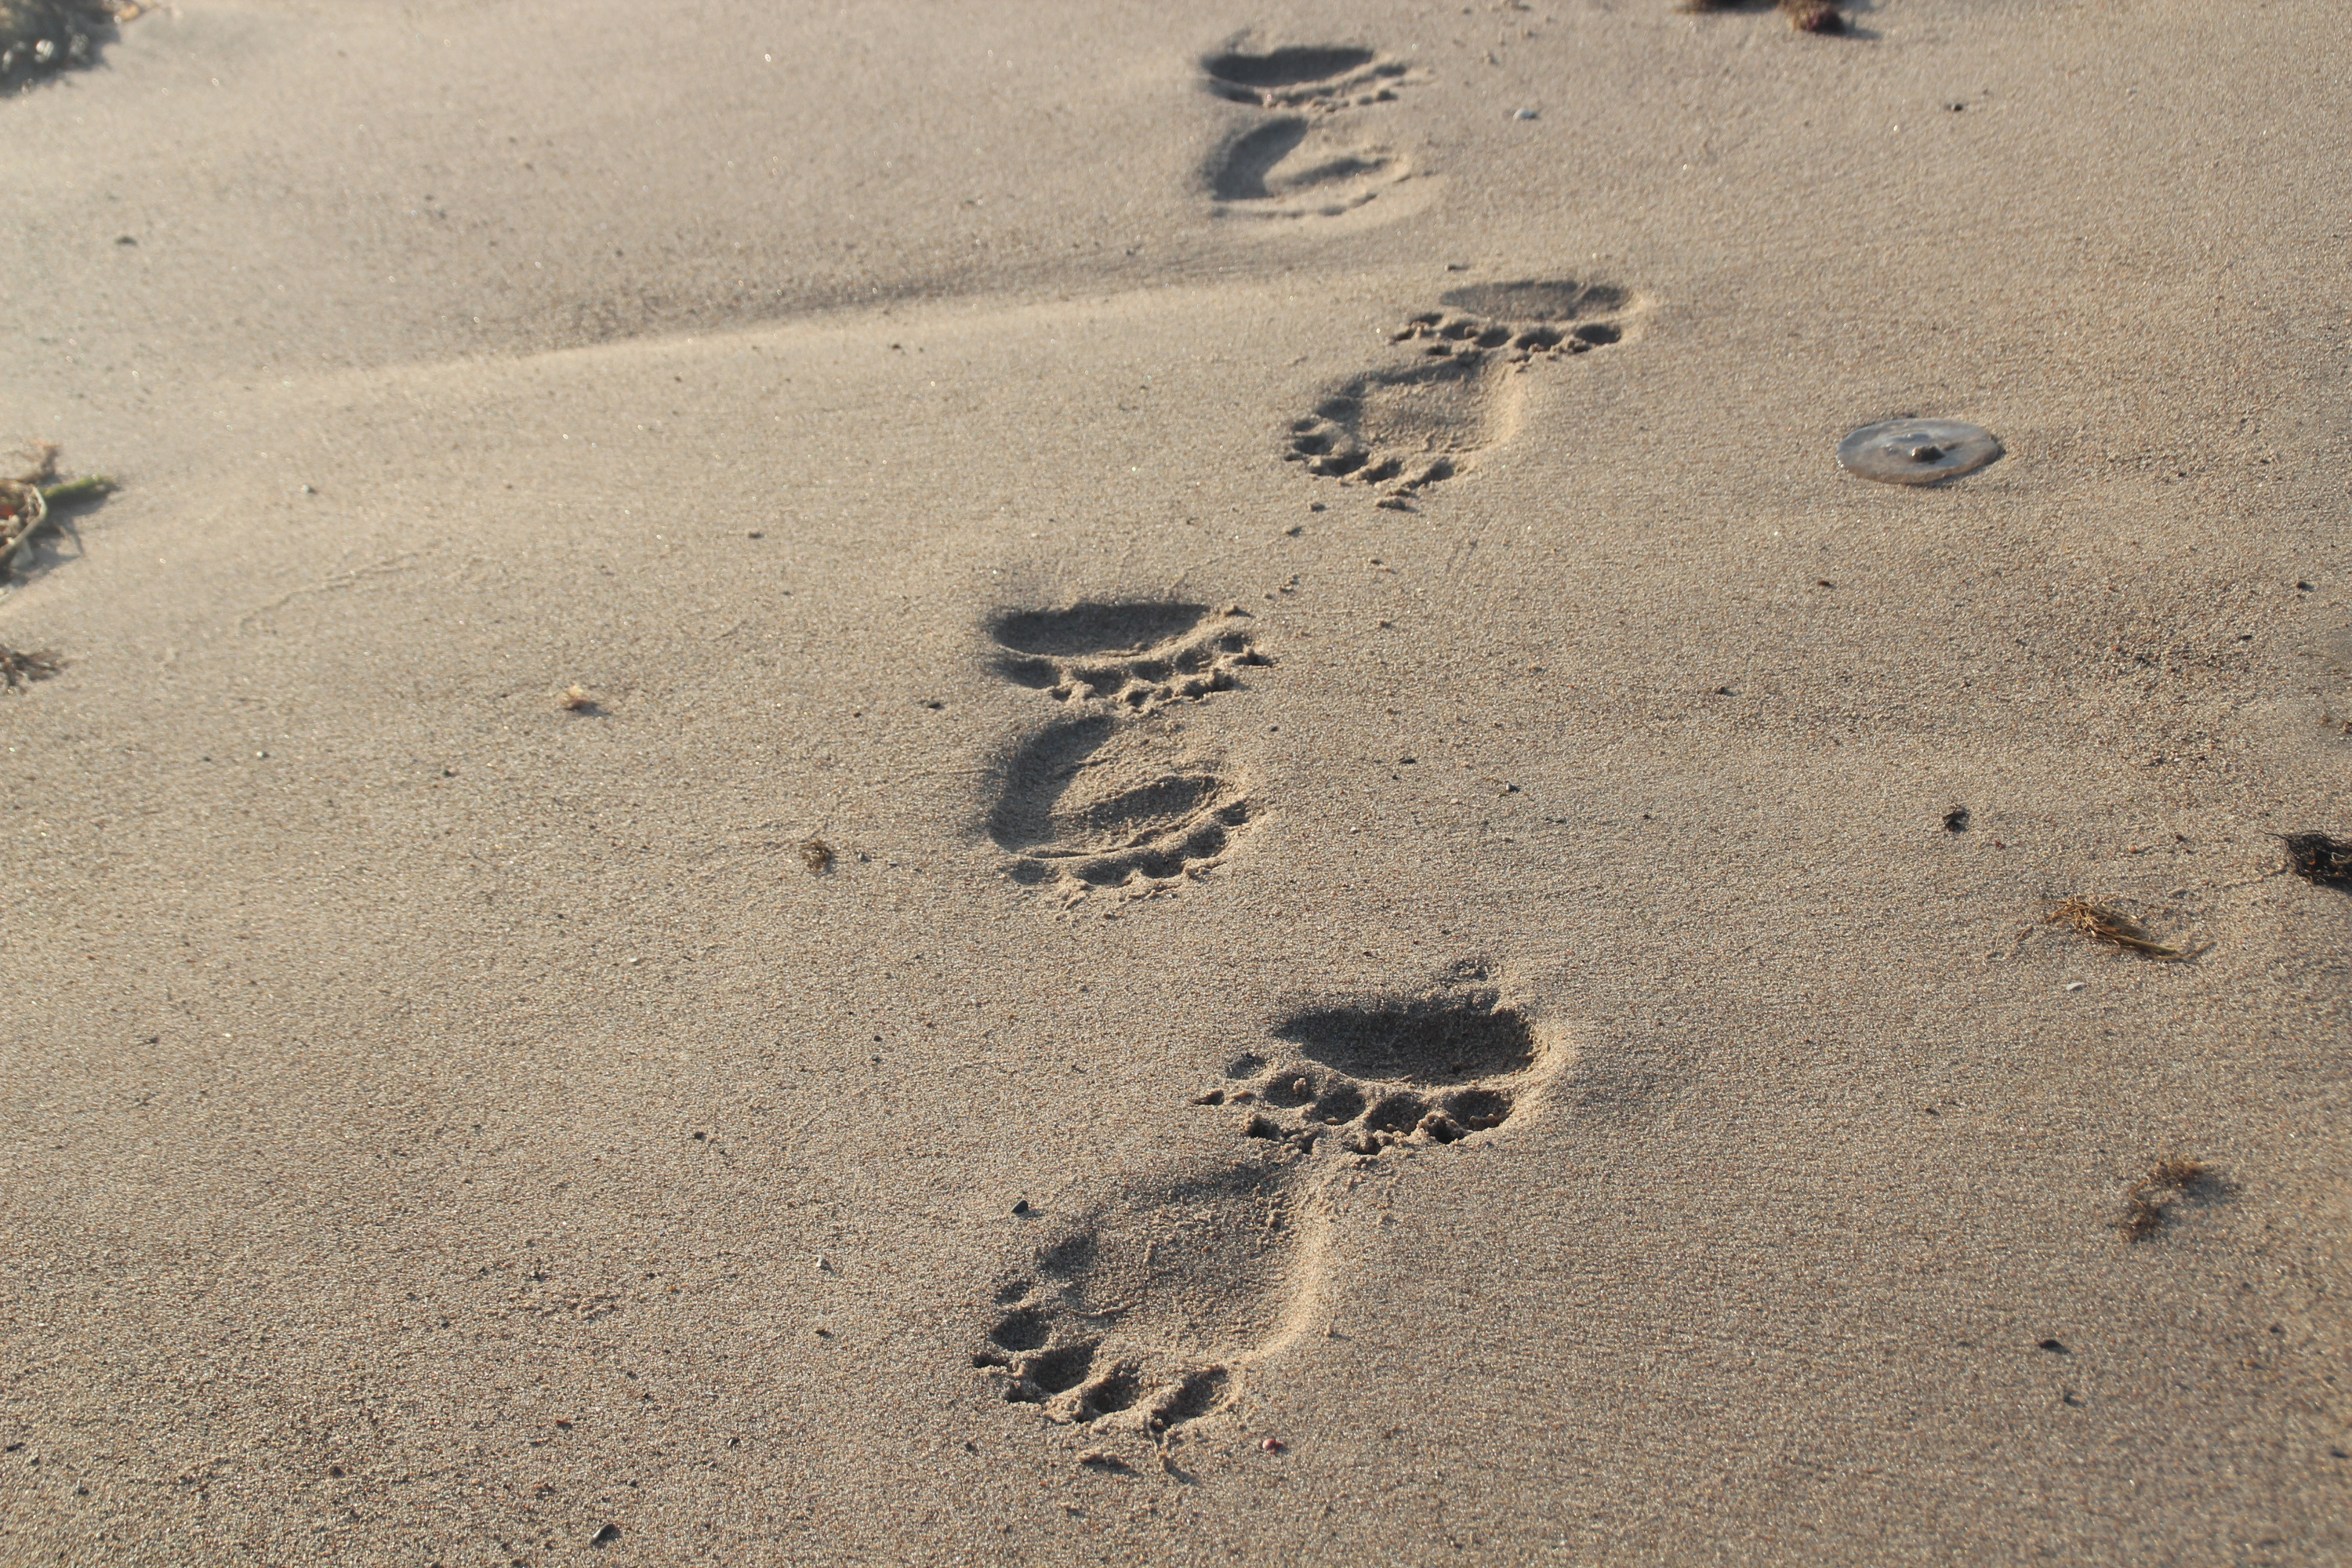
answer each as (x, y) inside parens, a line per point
(2315, 857)
(817, 856)
(1805, 15)
(27, 500)
(2117, 929)
(37, 37)
(2147, 1200)
(22, 507)
(576, 700)
(17, 668)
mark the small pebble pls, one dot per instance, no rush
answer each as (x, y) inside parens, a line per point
(2076, 984)
(1523, 114)
(1020, 1207)
(1272, 1445)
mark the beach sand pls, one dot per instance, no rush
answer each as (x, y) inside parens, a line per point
(722, 762)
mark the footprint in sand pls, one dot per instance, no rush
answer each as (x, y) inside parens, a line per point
(1141, 1313)
(1389, 1073)
(1320, 77)
(1135, 656)
(1146, 1312)
(1294, 168)
(1113, 791)
(1305, 164)
(1456, 389)
(1092, 800)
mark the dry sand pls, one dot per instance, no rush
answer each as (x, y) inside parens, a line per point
(446, 1126)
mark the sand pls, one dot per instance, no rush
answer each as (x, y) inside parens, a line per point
(446, 1121)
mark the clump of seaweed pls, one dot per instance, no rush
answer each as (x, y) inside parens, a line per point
(39, 36)
(2147, 1200)
(2117, 929)
(27, 500)
(18, 667)
(1805, 15)
(817, 856)
(22, 508)
(2318, 859)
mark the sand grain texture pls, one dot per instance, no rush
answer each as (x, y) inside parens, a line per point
(1463, 975)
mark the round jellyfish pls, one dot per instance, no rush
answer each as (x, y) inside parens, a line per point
(1916, 451)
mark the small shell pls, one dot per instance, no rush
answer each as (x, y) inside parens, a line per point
(1916, 451)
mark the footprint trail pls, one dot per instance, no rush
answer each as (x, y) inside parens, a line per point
(1412, 423)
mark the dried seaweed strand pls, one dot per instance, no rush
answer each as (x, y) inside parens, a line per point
(2117, 929)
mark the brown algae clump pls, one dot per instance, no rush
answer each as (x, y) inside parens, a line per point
(2318, 858)
(1916, 451)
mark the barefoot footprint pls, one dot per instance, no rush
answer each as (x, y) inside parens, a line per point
(1142, 1313)
(1413, 422)
(1320, 77)
(1136, 656)
(1392, 1072)
(1305, 164)
(1091, 801)
(1293, 168)
(1113, 791)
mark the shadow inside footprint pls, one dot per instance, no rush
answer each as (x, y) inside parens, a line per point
(1287, 67)
(1138, 655)
(1239, 174)
(1430, 1041)
(1325, 78)
(1435, 1070)
(1291, 168)
(1535, 299)
(1094, 629)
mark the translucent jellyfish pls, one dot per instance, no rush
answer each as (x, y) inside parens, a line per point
(1916, 451)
